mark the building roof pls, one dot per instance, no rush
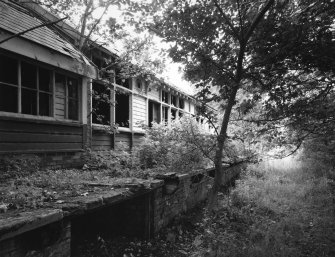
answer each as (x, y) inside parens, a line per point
(15, 19)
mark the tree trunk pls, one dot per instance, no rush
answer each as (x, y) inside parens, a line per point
(219, 150)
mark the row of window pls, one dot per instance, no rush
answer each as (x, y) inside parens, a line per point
(173, 100)
(103, 102)
(30, 89)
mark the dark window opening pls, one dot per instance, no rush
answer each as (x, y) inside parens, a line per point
(165, 97)
(8, 98)
(181, 114)
(173, 114)
(101, 104)
(8, 68)
(181, 103)
(173, 100)
(45, 104)
(28, 75)
(154, 113)
(122, 110)
(165, 114)
(29, 101)
(45, 92)
(73, 109)
(44, 80)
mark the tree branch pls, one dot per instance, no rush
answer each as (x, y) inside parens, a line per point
(257, 20)
(227, 20)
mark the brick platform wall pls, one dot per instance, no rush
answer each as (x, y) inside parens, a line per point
(178, 196)
(51, 240)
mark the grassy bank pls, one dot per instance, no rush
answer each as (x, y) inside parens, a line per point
(278, 208)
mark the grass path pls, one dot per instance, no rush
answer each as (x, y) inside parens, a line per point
(278, 208)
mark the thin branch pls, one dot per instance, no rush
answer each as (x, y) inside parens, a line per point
(257, 20)
(96, 24)
(227, 20)
(33, 28)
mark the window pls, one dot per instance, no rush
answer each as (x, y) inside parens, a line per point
(122, 109)
(165, 114)
(181, 114)
(35, 88)
(165, 97)
(181, 103)
(173, 100)
(67, 96)
(173, 114)
(101, 107)
(28, 89)
(8, 84)
(154, 113)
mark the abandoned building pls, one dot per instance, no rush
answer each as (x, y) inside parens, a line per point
(47, 89)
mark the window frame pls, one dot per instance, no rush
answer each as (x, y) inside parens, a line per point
(52, 93)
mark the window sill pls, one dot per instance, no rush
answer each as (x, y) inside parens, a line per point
(122, 129)
(100, 127)
(139, 131)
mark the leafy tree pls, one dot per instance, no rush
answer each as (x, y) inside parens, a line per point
(274, 52)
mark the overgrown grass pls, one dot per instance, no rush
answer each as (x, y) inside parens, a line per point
(278, 208)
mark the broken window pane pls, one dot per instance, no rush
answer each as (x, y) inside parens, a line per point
(100, 104)
(29, 101)
(28, 75)
(8, 98)
(122, 109)
(8, 68)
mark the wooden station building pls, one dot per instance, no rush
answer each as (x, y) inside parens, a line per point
(46, 89)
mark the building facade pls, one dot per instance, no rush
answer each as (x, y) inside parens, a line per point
(50, 93)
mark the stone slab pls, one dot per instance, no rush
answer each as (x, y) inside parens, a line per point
(26, 221)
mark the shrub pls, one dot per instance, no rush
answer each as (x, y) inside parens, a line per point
(182, 147)
(12, 166)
